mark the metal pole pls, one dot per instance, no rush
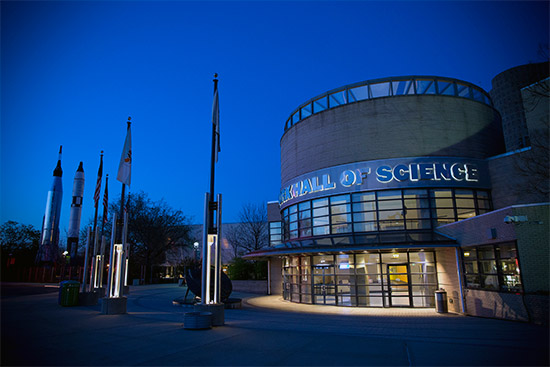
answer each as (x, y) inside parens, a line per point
(102, 259)
(94, 265)
(123, 260)
(86, 261)
(205, 247)
(112, 258)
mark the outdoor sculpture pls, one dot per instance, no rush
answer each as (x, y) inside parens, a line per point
(194, 282)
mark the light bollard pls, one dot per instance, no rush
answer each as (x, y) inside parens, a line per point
(114, 303)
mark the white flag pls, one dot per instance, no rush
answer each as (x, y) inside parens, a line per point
(125, 166)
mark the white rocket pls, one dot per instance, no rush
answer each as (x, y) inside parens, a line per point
(47, 252)
(76, 212)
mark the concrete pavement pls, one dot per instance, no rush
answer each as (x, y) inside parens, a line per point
(266, 331)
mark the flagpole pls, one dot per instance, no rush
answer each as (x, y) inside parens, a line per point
(98, 188)
(213, 155)
(123, 188)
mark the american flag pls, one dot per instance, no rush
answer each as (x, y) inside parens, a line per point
(98, 184)
(106, 199)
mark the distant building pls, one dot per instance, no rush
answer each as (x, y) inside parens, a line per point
(394, 188)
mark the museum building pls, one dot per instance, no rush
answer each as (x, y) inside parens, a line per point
(384, 184)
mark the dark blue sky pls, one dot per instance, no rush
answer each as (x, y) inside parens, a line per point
(73, 71)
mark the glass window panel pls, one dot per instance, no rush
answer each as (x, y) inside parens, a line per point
(425, 87)
(365, 216)
(477, 95)
(365, 227)
(293, 209)
(413, 194)
(442, 203)
(320, 221)
(293, 226)
(380, 90)
(419, 224)
(363, 196)
(337, 209)
(484, 204)
(463, 91)
(304, 223)
(395, 257)
(417, 203)
(359, 93)
(483, 194)
(489, 282)
(465, 203)
(427, 301)
(465, 213)
(469, 253)
(320, 104)
(342, 228)
(464, 194)
(305, 205)
(421, 256)
(362, 259)
(306, 111)
(337, 99)
(320, 202)
(294, 234)
(341, 218)
(390, 204)
(423, 279)
(305, 214)
(470, 267)
(275, 231)
(320, 211)
(428, 291)
(507, 251)
(389, 195)
(323, 260)
(319, 231)
(442, 221)
(445, 88)
(305, 232)
(340, 199)
(391, 225)
(296, 117)
(402, 87)
(417, 213)
(511, 283)
(293, 217)
(473, 281)
(367, 205)
(390, 215)
(485, 252)
(488, 266)
(441, 193)
(508, 266)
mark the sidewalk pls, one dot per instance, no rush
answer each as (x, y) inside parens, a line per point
(266, 331)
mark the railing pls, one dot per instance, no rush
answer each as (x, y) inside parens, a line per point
(388, 87)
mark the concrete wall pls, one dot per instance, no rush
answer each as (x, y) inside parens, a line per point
(276, 275)
(250, 286)
(447, 277)
(393, 127)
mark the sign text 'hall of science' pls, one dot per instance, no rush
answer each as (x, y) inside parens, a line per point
(391, 173)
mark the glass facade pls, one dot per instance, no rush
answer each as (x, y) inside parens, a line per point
(376, 279)
(388, 210)
(492, 267)
(401, 86)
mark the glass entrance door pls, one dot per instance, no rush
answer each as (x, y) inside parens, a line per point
(324, 288)
(398, 285)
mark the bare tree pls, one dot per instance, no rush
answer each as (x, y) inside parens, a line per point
(251, 233)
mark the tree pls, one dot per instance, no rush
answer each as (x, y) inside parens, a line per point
(153, 229)
(251, 233)
(19, 241)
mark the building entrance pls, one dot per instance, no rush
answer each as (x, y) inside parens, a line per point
(398, 285)
(324, 287)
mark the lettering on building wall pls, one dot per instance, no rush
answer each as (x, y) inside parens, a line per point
(386, 174)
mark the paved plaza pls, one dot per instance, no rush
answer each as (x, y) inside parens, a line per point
(265, 331)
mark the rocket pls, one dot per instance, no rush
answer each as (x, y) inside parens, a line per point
(76, 212)
(47, 252)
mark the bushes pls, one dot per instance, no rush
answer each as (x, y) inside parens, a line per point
(240, 269)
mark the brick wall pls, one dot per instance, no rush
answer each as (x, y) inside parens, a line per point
(447, 277)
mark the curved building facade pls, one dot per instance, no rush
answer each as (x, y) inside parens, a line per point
(370, 173)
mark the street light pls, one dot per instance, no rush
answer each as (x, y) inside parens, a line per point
(196, 247)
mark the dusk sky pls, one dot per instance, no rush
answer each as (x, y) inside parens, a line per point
(73, 71)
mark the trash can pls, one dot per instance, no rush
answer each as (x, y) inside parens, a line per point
(68, 293)
(441, 301)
